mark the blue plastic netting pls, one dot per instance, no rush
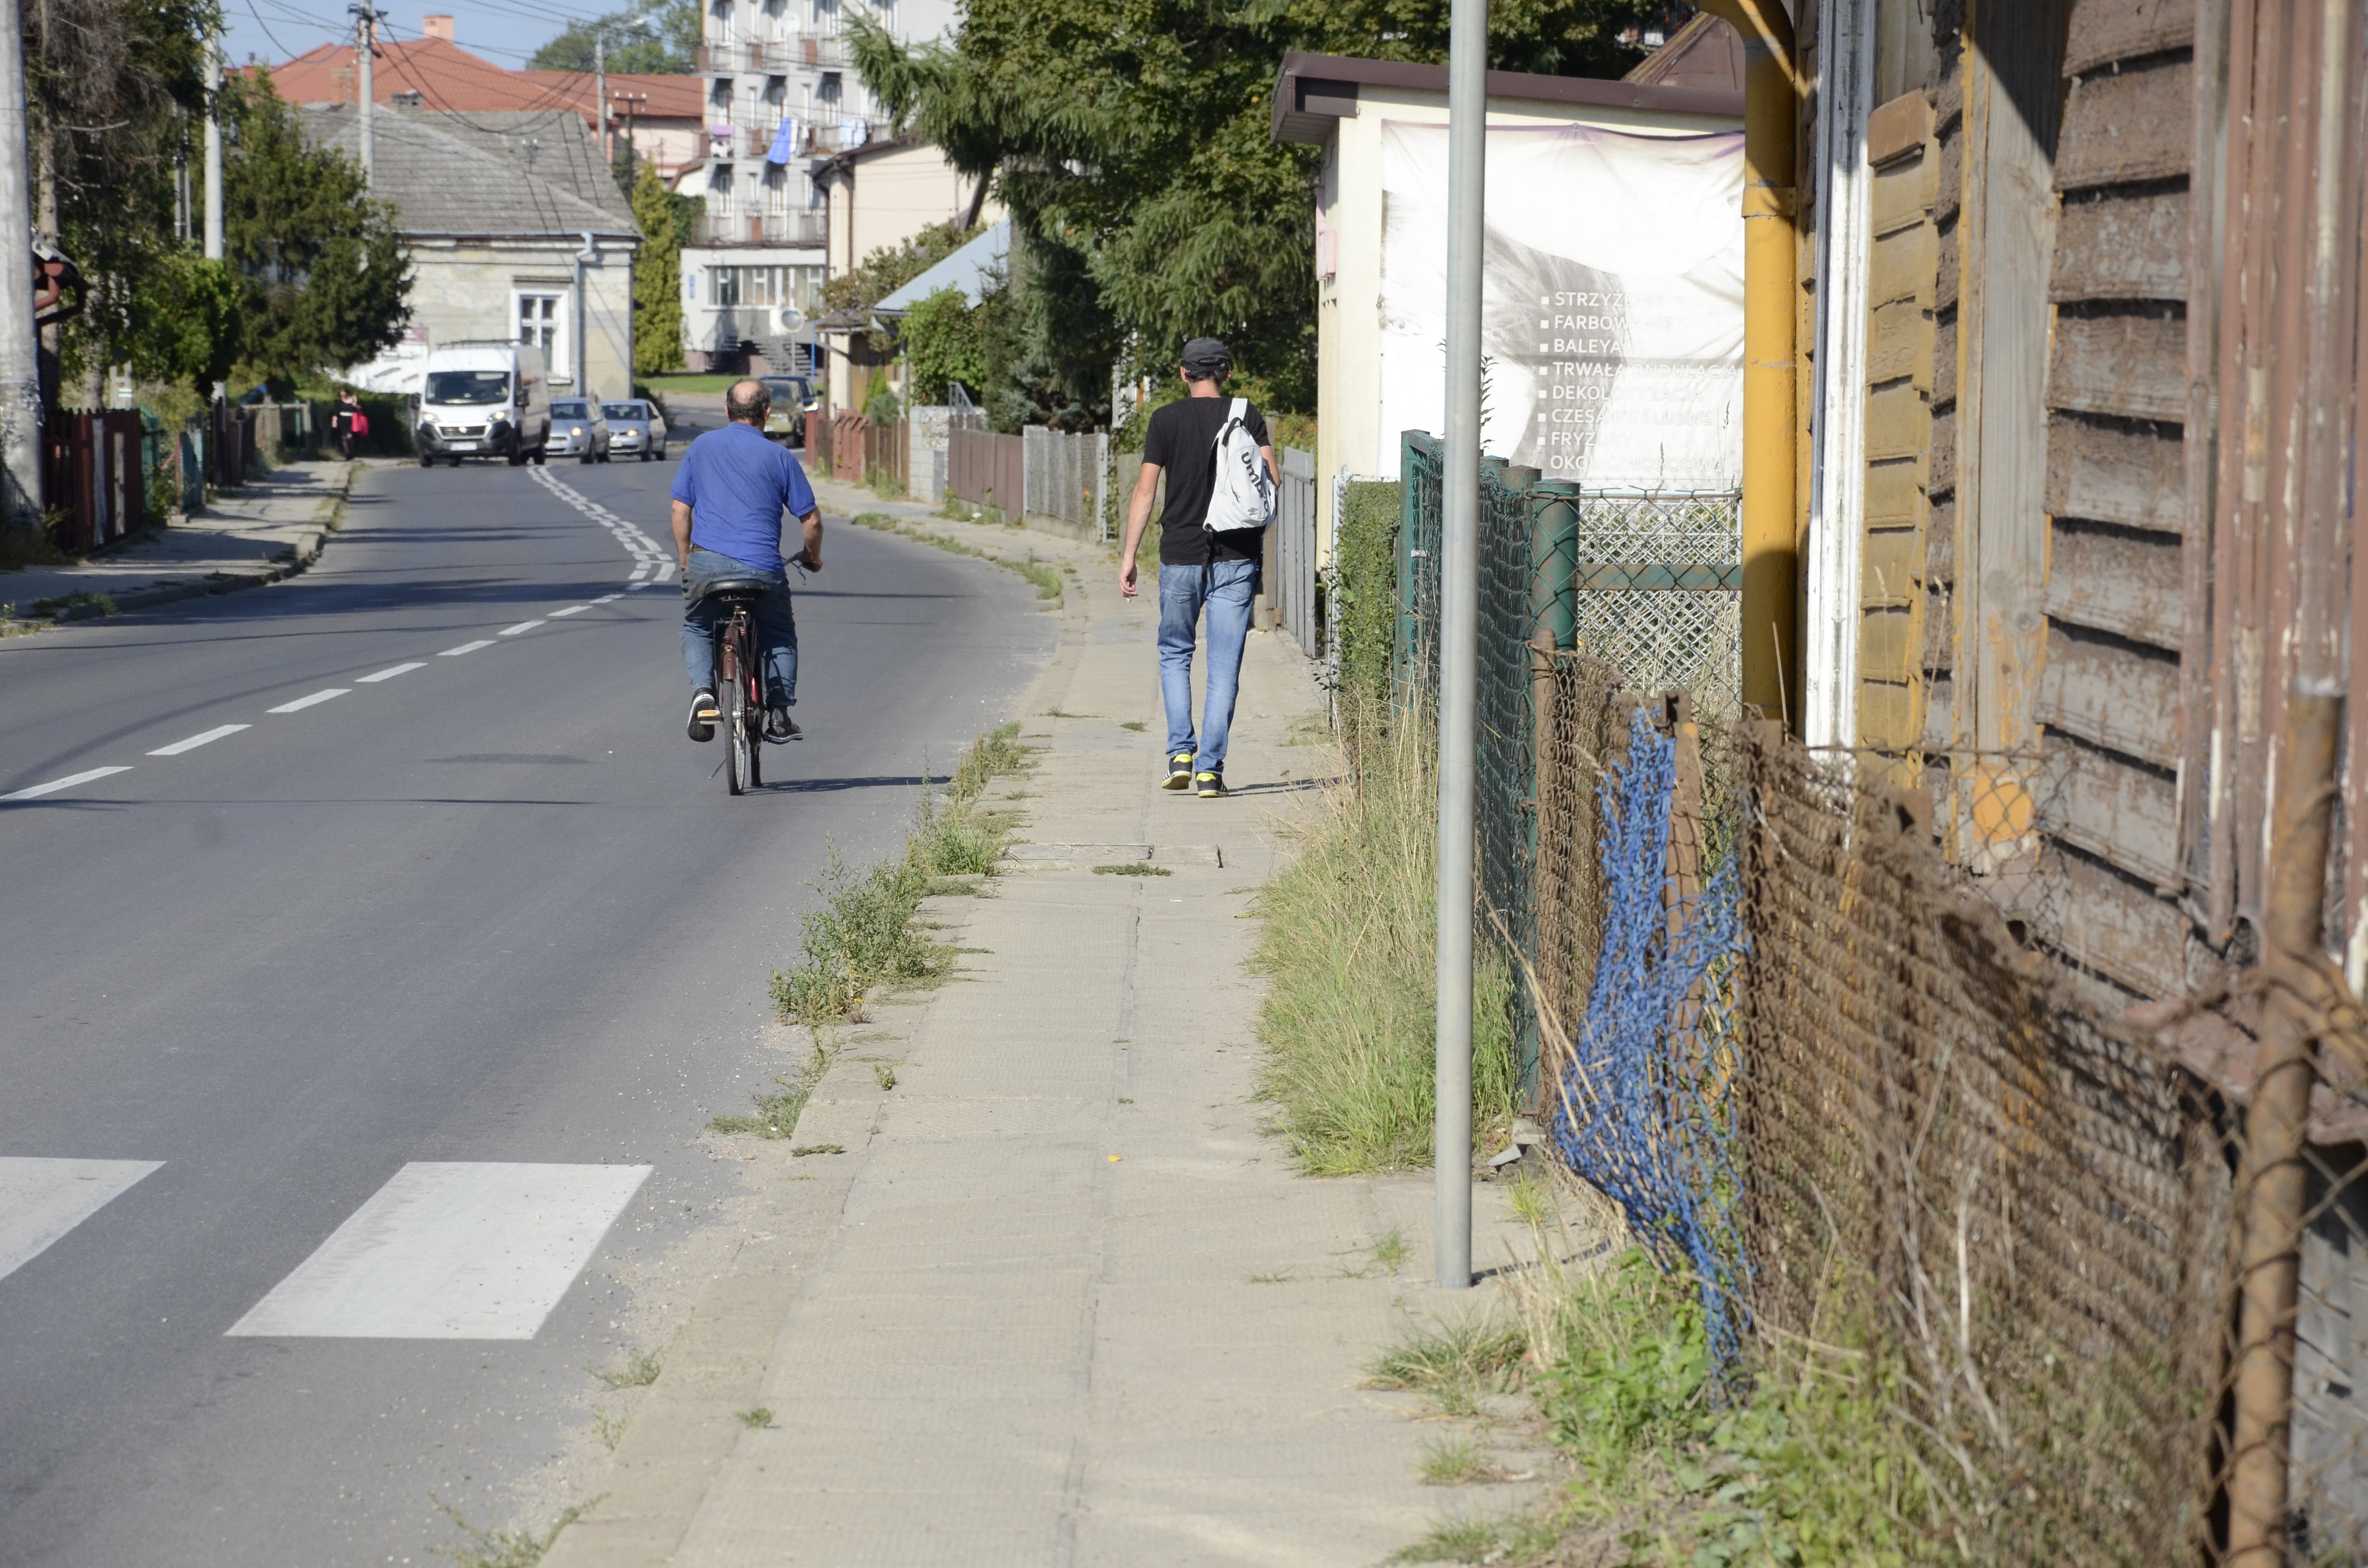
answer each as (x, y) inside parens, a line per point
(1648, 1100)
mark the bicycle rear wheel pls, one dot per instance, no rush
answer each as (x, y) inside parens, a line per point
(739, 766)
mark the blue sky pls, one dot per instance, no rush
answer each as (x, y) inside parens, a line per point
(504, 31)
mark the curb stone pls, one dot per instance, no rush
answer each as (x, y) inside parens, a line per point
(289, 564)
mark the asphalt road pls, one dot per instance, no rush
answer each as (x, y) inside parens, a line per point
(494, 908)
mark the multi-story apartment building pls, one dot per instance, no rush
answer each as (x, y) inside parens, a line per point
(781, 99)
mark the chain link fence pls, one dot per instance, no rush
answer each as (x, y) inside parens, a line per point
(1812, 1020)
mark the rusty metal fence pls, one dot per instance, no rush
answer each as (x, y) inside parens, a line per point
(1815, 1022)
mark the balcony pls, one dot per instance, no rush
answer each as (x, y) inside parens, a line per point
(771, 56)
(725, 142)
(766, 229)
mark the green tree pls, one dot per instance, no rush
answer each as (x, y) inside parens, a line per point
(890, 268)
(192, 321)
(326, 279)
(657, 278)
(666, 49)
(945, 340)
(1134, 135)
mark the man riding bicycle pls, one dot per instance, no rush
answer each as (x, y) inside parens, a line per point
(728, 500)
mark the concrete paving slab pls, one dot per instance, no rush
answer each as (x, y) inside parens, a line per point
(1076, 1306)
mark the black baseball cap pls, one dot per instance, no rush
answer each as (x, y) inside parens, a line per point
(1208, 357)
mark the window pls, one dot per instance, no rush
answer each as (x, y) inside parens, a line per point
(777, 189)
(724, 286)
(827, 95)
(540, 323)
(467, 387)
(719, 22)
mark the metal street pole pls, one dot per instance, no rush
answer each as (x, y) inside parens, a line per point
(1459, 632)
(20, 382)
(366, 20)
(579, 353)
(214, 152)
(600, 96)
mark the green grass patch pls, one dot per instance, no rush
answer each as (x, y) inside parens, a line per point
(1350, 940)
(489, 1548)
(1454, 1365)
(690, 383)
(777, 1115)
(1133, 868)
(638, 1369)
(29, 547)
(862, 940)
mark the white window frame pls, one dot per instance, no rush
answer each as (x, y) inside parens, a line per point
(557, 355)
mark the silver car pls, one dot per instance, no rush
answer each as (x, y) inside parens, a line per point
(577, 430)
(635, 429)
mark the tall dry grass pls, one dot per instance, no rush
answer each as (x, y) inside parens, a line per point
(1349, 944)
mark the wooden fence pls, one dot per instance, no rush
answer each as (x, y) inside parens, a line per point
(987, 470)
(94, 478)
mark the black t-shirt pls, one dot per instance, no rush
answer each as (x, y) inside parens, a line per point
(1183, 441)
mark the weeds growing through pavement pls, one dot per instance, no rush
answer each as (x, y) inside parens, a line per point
(777, 1117)
(1390, 1251)
(608, 1428)
(640, 1371)
(1454, 1365)
(884, 1075)
(1133, 868)
(504, 1548)
(1456, 1462)
(1046, 579)
(1349, 939)
(862, 940)
(760, 1417)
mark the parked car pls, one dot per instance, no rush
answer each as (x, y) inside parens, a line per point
(635, 429)
(793, 398)
(484, 400)
(578, 431)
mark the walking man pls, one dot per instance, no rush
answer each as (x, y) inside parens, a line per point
(1197, 569)
(728, 500)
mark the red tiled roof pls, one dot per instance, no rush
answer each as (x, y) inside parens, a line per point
(447, 76)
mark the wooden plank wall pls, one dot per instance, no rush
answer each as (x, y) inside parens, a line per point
(2116, 492)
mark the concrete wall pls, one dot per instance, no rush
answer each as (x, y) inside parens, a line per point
(469, 289)
(1348, 239)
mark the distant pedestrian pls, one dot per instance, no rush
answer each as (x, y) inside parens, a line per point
(348, 421)
(1210, 540)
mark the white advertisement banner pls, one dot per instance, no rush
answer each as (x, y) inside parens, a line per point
(1613, 302)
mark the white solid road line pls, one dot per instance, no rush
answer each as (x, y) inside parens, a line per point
(303, 702)
(521, 626)
(42, 1199)
(463, 648)
(390, 675)
(194, 742)
(571, 610)
(450, 1251)
(66, 783)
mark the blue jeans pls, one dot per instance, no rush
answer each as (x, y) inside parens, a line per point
(777, 628)
(1224, 588)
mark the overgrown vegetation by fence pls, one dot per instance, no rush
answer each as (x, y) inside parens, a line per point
(1944, 1259)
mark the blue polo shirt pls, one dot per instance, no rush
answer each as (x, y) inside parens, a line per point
(737, 484)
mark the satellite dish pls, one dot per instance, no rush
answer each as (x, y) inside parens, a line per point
(790, 317)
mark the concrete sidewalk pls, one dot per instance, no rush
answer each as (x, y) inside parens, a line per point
(270, 527)
(1061, 1299)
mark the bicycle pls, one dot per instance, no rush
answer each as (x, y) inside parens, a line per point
(740, 682)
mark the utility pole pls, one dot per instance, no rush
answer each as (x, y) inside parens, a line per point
(600, 95)
(366, 21)
(214, 152)
(578, 351)
(20, 384)
(1459, 635)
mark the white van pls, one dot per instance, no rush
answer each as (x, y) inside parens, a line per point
(484, 400)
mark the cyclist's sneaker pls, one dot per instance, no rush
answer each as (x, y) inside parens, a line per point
(1179, 771)
(702, 714)
(1211, 784)
(779, 726)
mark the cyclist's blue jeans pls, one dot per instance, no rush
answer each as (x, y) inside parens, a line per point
(1224, 589)
(777, 628)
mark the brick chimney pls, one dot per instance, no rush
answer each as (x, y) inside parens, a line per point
(436, 26)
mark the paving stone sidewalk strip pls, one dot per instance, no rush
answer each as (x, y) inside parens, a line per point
(1062, 1300)
(268, 529)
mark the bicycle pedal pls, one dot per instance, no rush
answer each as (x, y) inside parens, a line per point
(711, 714)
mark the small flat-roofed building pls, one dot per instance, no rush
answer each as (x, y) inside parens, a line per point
(1614, 274)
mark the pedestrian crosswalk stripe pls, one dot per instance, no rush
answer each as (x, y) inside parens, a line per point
(451, 1250)
(42, 1199)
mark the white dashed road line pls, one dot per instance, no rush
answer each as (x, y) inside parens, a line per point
(67, 783)
(571, 610)
(42, 1199)
(390, 675)
(452, 1251)
(607, 599)
(194, 742)
(649, 561)
(303, 702)
(521, 626)
(463, 648)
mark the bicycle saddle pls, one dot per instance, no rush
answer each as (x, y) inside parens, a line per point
(737, 590)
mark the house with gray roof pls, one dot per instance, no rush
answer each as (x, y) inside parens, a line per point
(501, 213)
